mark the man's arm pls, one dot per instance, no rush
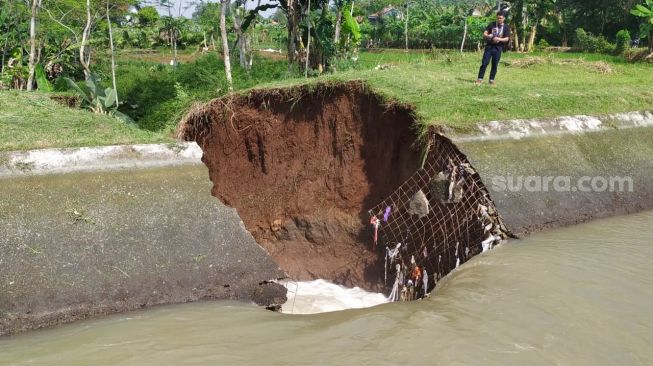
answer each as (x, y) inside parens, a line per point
(487, 35)
(498, 39)
(505, 39)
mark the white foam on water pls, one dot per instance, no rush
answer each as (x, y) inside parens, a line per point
(320, 296)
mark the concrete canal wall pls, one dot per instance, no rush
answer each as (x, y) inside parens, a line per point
(124, 228)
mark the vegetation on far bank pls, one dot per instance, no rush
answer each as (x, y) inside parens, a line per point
(144, 62)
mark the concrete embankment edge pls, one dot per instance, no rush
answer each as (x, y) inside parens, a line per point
(99, 158)
(581, 153)
(94, 242)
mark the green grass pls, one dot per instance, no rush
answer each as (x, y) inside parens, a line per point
(439, 85)
(441, 89)
(34, 121)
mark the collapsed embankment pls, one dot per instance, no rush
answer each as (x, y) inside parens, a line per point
(305, 167)
(309, 168)
(92, 242)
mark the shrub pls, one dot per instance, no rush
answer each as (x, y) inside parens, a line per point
(583, 41)
(156, 95)
(587, 42)
(543, 44)
(623, 41)
(143, 87)
(603, 46)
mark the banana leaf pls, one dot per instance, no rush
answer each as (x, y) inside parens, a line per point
(41, 80)
(123, 117)
(94, 87)
(351, 26)
(110, 100)
(75, 88)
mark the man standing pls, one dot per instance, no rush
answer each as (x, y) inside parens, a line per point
(497, 36)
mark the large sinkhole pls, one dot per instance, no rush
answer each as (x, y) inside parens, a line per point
(310, 169)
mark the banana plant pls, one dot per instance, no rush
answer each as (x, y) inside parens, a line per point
(96, 98)
(646, 29)
(351, 27)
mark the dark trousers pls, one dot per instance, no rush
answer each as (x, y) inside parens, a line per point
(493, 54)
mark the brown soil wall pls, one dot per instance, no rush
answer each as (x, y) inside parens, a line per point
(301, 167)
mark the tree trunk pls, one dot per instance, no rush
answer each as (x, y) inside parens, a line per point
(244, 50)
(518, 22)
(32, 41)
(2, 65)
(248, 40)
(514, 34)
(308, 42)
(462, 45)
(39, 50)
(85, 36)
(250, 53)
(171, 37)
(524, 33)
(336, 35)
(240, 41)
(174, 47)
(113, 57)
(241, 38)
(406, 27)
(531, 38)
(562, 20)
(293, 30)
(225, 43)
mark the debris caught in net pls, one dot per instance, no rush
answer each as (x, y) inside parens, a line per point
(436, 220)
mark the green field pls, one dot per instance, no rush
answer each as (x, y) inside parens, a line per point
(439, 85)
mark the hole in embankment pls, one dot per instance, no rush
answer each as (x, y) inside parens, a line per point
(308, 168)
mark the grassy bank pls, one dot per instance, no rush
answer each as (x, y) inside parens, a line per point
(34, 121)
(438, 84)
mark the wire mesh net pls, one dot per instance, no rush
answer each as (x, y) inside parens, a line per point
(436, 220)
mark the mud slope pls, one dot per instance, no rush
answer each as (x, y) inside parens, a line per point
(304, 167)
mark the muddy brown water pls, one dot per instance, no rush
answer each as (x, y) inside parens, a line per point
(581, 295)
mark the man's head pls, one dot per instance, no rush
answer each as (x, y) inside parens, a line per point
(501, 17)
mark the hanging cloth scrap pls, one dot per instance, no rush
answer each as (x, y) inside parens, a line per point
(375, 223)
(386, 215)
